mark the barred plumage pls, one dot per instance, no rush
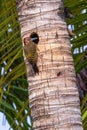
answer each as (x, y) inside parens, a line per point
(30, 50)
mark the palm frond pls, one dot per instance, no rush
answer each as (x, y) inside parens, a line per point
(13, 84)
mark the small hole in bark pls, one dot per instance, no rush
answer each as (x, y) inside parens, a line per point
(58, 74)
(35, 38)
(56, 35)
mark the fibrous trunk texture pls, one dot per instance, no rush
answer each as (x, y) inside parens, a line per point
(53, 94)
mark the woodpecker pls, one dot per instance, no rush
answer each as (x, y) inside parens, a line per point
(30, 50)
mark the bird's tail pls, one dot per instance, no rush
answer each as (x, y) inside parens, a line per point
(35, 68)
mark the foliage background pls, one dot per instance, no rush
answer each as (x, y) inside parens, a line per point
(13, 84)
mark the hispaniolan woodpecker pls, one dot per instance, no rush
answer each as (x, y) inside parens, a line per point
(30, 50)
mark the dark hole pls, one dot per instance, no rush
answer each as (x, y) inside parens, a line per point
(35, 38)
(59, 73)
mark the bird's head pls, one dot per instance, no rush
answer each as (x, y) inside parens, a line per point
(26, 40)
(33, 38)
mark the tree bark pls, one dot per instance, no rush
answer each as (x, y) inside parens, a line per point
(53, 94)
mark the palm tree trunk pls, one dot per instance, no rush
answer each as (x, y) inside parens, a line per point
(53, 94)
